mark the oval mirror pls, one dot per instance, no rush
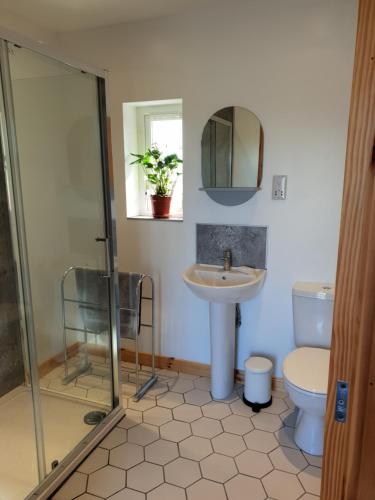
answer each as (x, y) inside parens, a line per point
(232, 154)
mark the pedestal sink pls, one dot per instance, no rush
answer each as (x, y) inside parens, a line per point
(223, 290)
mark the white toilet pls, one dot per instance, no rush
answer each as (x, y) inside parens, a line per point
(306, 368)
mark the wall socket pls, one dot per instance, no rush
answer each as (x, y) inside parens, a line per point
(279, 187)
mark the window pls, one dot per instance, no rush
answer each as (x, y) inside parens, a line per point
(145, 125)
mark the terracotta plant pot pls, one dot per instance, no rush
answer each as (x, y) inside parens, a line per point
(160, 206)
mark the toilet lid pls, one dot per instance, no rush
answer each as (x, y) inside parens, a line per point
(307, 368)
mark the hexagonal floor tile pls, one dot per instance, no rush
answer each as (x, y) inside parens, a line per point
(87, 381)
(289, 402)
(285, 437)
(282, 485)
(175, 431)
(165, 372)
(278, 393)
(182, 472)
(239, 488)
(203, 383)
(128, 390)
(189, 376)
(277, 407)
(261, 441)
(206, 427)
(170, 400)
(229, 399)
(87, 496)
(126, 456)
(143, 404)
(267, 422)
(315, 460)
(288, 459)
(181, 385)
(96, 460)
(205, 490)
(216, 410)
(74, 486)
(218, 468)
(106, 481)
(236, 424)
(161, 452)
(131, 419)
(127, 494)
(308, 496)
(238, 407)
(195, 448)
(187, 413)
(311, 479)
(157, 416)
(197, 397)
(157, 389)
(228, 444)
(167, 492)
(145, 477)
(116, 437)
(253, 463)
(289, 417)
(143, 434)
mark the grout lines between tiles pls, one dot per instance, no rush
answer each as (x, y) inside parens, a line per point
(229, 460)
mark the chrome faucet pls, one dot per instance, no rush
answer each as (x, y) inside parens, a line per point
(227, 259)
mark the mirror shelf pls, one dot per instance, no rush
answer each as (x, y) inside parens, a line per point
(230, 196)
(237, 189)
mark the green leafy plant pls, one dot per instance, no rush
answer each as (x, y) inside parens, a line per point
(159, 170)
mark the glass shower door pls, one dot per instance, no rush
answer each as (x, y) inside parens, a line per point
(57, 127)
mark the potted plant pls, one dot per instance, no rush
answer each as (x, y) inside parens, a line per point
(159, 170)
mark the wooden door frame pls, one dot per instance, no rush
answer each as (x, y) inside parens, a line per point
(349, 458)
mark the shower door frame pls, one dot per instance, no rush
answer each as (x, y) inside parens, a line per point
(48, 483)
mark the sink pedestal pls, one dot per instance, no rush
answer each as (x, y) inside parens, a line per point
(222, 336)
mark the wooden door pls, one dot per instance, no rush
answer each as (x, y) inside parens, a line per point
(349, 461)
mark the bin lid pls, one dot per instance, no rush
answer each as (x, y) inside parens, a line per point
(258, 364)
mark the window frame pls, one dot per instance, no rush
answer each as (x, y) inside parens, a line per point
(145, 114)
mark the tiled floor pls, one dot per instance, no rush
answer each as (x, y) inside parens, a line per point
(179, 444)
(93, 386)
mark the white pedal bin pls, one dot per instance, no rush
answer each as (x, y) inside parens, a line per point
(258, 383)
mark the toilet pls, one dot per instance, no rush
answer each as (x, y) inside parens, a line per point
(306, 368)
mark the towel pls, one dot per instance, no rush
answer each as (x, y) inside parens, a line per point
(93, 288)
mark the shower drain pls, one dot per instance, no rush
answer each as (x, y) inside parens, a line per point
(94, 417)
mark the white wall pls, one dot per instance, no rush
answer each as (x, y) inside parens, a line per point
(20, 25)
(289, 62)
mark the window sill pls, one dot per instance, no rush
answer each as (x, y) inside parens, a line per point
(172, 218)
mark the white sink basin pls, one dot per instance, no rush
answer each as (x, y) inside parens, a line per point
(223, 289)
(213, 284)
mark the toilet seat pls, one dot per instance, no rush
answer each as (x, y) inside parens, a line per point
(307, 369)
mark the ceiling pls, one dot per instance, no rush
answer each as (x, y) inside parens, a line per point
(69, 15)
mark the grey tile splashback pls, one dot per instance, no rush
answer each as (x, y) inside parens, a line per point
(248, 244)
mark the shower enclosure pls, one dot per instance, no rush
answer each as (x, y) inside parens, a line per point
(57, 392)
